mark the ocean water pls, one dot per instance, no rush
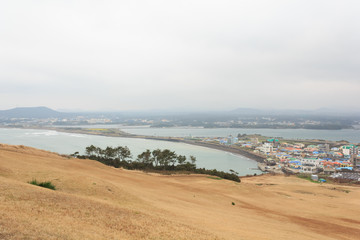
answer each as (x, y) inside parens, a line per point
(350, 135)
(67, 143)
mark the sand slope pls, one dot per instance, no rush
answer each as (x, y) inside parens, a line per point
(94, 201)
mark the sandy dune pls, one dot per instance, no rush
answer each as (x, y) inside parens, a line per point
(94, 201)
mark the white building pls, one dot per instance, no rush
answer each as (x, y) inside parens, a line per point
(315, 161)
(308, 168)
(350, 149)
(345, 150)
(231, 140)
(266, 148)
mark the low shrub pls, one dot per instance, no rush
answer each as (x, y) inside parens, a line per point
(48, 184)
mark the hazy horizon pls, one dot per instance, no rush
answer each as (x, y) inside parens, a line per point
(182, 56)
(241, 110)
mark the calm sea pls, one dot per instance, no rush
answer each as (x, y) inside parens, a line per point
(68, 143)
(350, 135)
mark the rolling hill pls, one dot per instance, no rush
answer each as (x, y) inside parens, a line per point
(94, 201)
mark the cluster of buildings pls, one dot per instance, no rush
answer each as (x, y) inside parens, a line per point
(299, 157)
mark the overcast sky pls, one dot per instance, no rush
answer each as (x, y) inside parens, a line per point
(196, 55)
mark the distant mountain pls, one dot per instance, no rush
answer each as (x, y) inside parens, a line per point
(31, 112)
(247, 111)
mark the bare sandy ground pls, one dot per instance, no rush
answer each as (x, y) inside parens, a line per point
(94, 201)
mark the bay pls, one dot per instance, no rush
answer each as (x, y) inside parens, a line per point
(67, 143)
(351, 135)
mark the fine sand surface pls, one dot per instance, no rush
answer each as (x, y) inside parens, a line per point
(94, 201)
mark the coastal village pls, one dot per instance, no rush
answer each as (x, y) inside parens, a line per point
(292, 157)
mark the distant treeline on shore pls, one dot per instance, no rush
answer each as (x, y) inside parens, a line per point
(156, 160)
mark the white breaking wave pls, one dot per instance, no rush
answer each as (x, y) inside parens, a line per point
(47, 133)
(76, 135)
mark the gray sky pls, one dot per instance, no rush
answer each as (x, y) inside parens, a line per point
(196, 55)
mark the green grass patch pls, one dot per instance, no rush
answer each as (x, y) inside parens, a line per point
(216, 178)
(99, 129)
(48, 184)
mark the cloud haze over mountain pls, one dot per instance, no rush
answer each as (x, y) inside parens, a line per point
(124, 55)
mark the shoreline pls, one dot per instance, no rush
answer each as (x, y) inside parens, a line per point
(115, 132)
(118, 133)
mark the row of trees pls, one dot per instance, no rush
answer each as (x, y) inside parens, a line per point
(120, 153)
(157, 159)
(164, 158)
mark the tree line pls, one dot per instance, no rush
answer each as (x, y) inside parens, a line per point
(155, 160)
